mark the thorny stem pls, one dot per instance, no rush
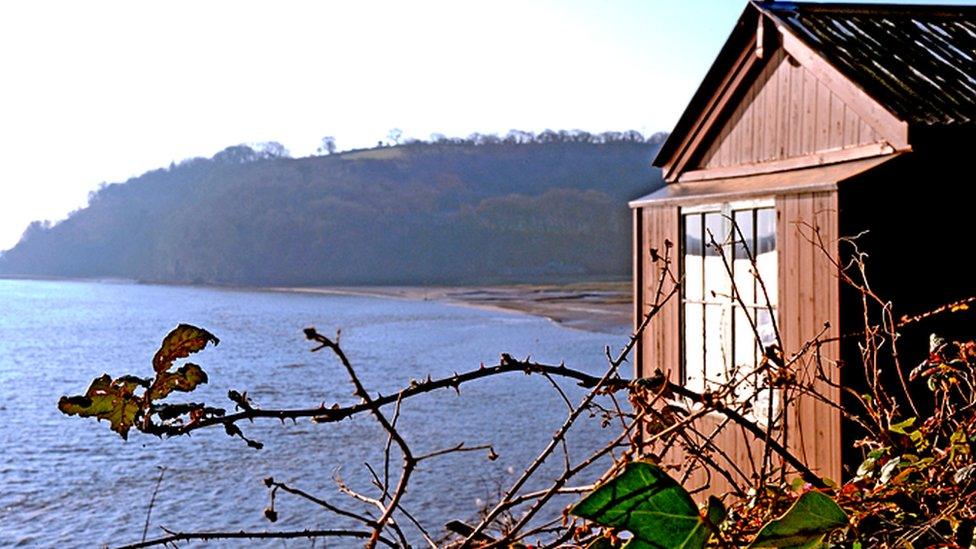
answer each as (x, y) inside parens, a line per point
(174, 537)
(270, 482)
(409, 462)
(322, 414)
(561, 433)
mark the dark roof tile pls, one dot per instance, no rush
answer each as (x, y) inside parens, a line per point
(918, 61)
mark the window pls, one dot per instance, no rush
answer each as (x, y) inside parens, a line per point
(719, 334)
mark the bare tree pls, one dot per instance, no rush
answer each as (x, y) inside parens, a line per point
(328, 145)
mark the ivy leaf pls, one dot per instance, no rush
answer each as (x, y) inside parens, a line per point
(812, 516)
(644, 500)
(180, 343)
(184, 379)
(107, 399)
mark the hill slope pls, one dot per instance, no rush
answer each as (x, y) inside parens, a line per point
(412, 214)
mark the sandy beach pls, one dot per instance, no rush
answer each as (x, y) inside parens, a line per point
(592, 306)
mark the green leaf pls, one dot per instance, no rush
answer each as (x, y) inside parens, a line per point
(812, 516)
(652, 506)
(902, 427)
(185, 379)
(107, 399)
(180, 343)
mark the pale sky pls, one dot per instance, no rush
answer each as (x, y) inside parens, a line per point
(106, 90)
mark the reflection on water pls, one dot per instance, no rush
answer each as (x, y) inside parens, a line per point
(72, 482)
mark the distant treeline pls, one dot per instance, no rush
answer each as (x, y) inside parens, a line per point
(519, 137)
(520, 208)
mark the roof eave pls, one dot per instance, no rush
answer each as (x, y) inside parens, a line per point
(743, 32)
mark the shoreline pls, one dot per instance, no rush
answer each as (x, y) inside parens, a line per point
(603, 307)
(598, 306)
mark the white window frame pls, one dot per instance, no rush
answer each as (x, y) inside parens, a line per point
(728, 304)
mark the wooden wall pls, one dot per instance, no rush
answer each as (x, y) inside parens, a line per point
(660, 345)
(786, 113)
(808, 297)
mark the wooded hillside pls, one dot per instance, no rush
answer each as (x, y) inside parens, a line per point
(456, 211)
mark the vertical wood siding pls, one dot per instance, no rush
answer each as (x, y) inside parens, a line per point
(660, 343)
(808, 297)
(786, 113)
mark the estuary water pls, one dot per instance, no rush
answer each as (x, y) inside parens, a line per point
(71, 482)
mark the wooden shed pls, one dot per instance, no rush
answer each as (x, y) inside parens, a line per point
(840, 117)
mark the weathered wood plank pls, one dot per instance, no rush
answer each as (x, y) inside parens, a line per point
(822, 120)
(784, 113)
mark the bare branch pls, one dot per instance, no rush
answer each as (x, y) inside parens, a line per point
(174, 537)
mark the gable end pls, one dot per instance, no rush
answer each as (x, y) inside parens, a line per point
(786, 112)
(779, 106)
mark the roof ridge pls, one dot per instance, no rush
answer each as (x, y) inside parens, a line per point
(862, 7)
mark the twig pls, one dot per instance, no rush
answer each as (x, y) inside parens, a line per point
(408, 460)
(614, 366)
(152, 501)
(173, 537)
(322, 414)
(320, 502)
(460, 447)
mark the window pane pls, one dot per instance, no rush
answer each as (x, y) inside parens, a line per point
(761, 402)
(764, 396)
(694, 346)
(745, 342)
(766, 258)
(744, 248)
(692, 256)
(716, 356)
(764, 325)
(747, 391)
(716, 276)
(743, 221)
(715, 227)
(766, 229)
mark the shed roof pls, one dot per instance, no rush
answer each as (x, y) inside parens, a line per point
(918, 61)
